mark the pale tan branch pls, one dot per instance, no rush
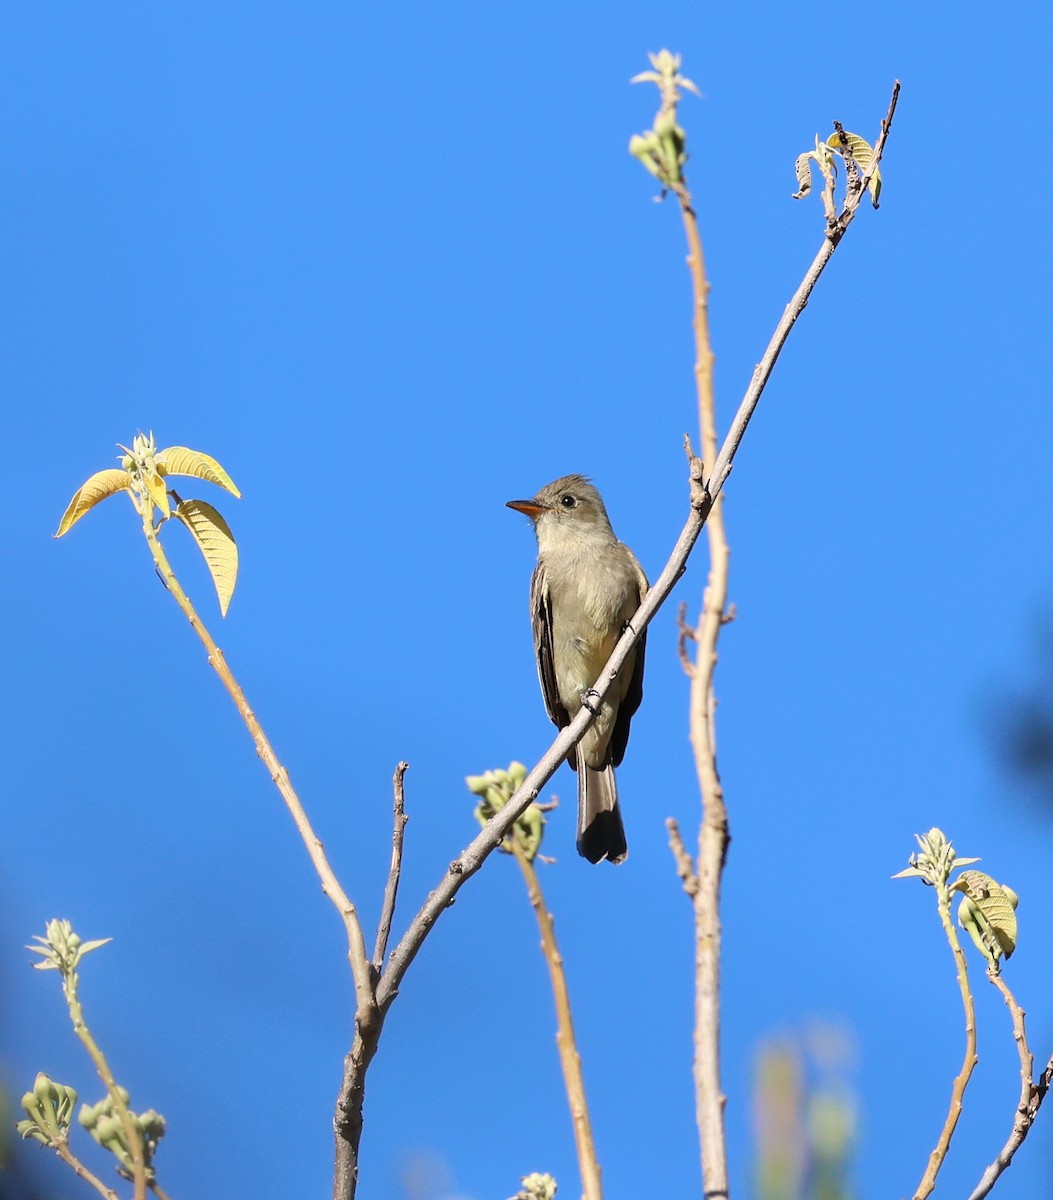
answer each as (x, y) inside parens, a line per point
(685, 866)
(713, 829)
(347, 1120)
(1031, 1095)
(569, 1058)
(798, 302)
(78, 1168)
(117, 1095)
(685, 634)
(961, 1081)
(357, 956)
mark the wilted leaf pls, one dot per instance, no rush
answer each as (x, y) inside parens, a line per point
(863, 153)
(216, 543)
(98, 487)
(178, 460)
(995, 905)
(803, 169)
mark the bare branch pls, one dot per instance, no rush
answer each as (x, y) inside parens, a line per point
(685, 867)
(1031, 1096)
(356, 946)
(347, 1121)
(793, 310)
(685, 634)
(73, 1162)
(570, 1059)
(961, 1081)
(879, 145)
(713, 835)
(391, 890)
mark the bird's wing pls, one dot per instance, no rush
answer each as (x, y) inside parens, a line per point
(634, 693)
(541, 623)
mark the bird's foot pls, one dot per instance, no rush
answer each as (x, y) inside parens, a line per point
(588, 699)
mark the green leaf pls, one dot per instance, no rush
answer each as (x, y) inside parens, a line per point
(178, 460)
(216, 543)
(98, 487)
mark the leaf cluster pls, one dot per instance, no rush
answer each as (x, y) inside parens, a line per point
(143, 472)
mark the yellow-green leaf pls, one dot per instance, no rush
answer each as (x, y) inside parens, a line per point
(155, 485)
(863, 153)
(178, 460)
(216, 543)
(995, 904)
(98, 487)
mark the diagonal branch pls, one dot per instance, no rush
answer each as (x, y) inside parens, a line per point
(488, 839)
(702, 498)
(356, 946)
(703, 494)
(798, 302)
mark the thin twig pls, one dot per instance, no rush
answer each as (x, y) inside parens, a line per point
(347, 1118)
(569, 1058)
(391, 891)
(762, 372)
(105, 1073)
(961, 1081)
(685, 634)
(685, 865)
(357, 955)
(1031, 1096)
(879, 145)
(73, 1162)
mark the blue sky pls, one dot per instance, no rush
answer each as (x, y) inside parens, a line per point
(393, 266)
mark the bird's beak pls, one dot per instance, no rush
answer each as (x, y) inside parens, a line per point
(530, 507)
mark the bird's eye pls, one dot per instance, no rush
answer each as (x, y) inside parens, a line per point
(568, 501)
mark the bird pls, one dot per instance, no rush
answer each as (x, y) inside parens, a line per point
(585, 589)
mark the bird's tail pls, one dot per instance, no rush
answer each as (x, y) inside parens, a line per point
(600, 830)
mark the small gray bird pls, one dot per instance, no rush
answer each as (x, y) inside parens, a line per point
(586, 587)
